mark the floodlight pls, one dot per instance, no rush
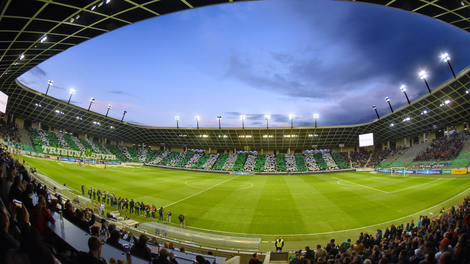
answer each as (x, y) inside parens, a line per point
(403, 90)
(424, 112)
(447, 101)
(446, 59)
(315, 117)
(219, 118)
(109, 107)
(177, 118)
(267, 117)
(43, 39)
(376, 112)
(392, 124)
(197, 121)
(291, 117)
(72, 92)
(242, 117)
(123, 115)
(92, 100)
(423, 76)
(49, 83)
(21, 56)
(389, 104)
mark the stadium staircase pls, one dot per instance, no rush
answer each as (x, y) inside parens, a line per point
(408, 155)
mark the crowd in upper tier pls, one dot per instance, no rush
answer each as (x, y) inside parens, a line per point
(444, 148)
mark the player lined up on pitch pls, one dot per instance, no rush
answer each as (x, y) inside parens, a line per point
(131, 206)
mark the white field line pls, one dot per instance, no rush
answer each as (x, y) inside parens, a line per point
(200, 192)
(334, 232)
(412, 187)
(361, 185)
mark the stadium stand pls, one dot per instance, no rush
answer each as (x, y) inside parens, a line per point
(311, 163)
(193, 160)
(201, 161)
(281, 163)
(102, 148)
(250, 163)
(219, 164)
(340, 161)
(179, 156)
(182, 162)
(141, 154)
(92, 145)
(291, 166)
(165, 161)
(408, 154)
(210, 161)
(444, 148)
(62, 142)
(321, 163)
(270, 165)
(239, 162)
(300, 162)
(229, 162)
(259, 163)
(330, 162)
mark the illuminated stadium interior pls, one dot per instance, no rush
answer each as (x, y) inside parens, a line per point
(23, 31)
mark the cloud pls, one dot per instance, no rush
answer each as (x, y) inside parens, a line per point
(58, 87)
(38, 72)
(123, 93)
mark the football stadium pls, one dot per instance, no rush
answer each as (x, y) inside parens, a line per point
(80, 186)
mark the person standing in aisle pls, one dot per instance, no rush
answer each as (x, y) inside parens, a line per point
(168, 217)
(279, 244)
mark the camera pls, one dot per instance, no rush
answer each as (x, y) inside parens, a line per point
(18, 203)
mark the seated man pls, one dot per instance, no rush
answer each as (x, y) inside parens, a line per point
(163, 257)
(94, 255)
(140, 248)
(82, 223)
(114, 240)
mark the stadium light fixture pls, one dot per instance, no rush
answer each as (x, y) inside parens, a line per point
(407, 119)
(403, 90)
(111, 127)
(37, 105)
(315, 117)
(389, 104)
(423, 76)
(446, 58)
(49, 83)
(291, 117)
(267, 117)
(242, 117)
(78, 118)
(72, 92)
(377, 113)
(392, 124)
(425, 112)
(177, 118)
(92, 100)
(21, 56)
(197, 121)
(123, 115)
(43, 39)
(109, 107)
(219, 118)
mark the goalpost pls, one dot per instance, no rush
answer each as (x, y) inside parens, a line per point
(398, 171)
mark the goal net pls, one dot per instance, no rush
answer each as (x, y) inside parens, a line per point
(398, 171)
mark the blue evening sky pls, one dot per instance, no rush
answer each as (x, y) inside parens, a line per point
(276, 57)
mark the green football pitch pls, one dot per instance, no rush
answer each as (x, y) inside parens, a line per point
(298, 207)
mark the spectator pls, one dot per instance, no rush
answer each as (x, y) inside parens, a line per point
(140, 248)
(253, 260)
(41, 215)
(163, 257)
(32, 249)
(201, 260)
(25, 197)
(114, 240)
(94, 254)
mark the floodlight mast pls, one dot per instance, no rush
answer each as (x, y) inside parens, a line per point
(403, 90)
(197, 121)
(267, 117)
(291, 117)
(389, 104)
(92, 100)
(446, 58)
(177, 118)
(423, 76)
(315, 117)
(109, 107)
(49, 83)
(242, 117)
(219, 118)
(377, 113)
(123, 115)
(72, 92)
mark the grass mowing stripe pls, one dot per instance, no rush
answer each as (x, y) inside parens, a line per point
(412, 187)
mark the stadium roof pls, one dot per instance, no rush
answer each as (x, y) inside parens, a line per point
(24, 24)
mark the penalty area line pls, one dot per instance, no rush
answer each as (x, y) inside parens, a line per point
(361, 185)
(200, 192)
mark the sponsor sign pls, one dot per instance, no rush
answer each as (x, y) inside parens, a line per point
(77, 154)
(385, 170)
(429, 172)
(441, 165)
(458, 171)
(445, 171)
(89, 161)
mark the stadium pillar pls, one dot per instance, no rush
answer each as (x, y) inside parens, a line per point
(388, 144)
(39, 125)
(424, 137)
(404, 142)
(261, 151)
(288, 151)
(209, 150)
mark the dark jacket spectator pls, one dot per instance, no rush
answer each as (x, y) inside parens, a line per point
(114, 240)
(140, 249)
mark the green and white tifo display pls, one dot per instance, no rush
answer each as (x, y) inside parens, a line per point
(264, 206)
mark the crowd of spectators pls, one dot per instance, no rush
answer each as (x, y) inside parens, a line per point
(443, 240)
(444, 148)
(358, 159)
